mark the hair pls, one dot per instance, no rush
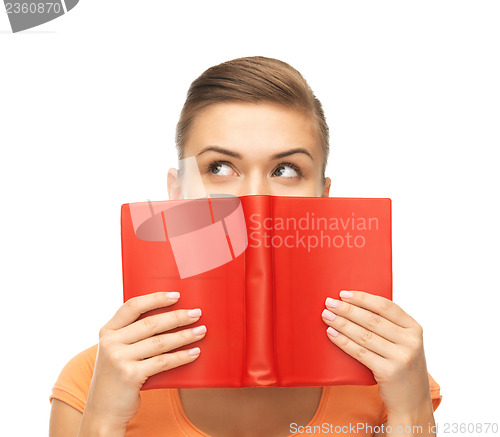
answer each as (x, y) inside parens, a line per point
(255, 79)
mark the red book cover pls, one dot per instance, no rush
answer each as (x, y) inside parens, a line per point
(260, 267)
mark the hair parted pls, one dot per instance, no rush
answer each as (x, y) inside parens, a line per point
(255, 79)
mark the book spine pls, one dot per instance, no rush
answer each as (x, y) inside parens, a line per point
(260, 367)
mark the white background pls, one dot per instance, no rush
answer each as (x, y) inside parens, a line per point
(88, 107)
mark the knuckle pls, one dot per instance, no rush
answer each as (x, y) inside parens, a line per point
(405, 361)
(159, 297)
(361, 352)
(407, 356)
(388, 372)
(158, 342)
(165, 361)
(105, 344)
(186, 334)
(416, 340)
(179, 317)
(340, 323)
(387, 305)
(361, 297)
(366, 336)
(419, 330)
(349, 309)
(374, 320)
(115, 356)
(344, 342)
(150, 323)
(109, 352)
(103, 332)
(181, 338)
(132, 304)
(128, 372)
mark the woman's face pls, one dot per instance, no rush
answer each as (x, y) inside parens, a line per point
(248, 148)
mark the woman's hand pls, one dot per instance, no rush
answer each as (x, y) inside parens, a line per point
(380, 335)
(129, 352)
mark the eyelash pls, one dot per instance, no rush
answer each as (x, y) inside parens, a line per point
(214, 164)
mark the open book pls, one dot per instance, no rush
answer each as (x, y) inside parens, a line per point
(260, 268)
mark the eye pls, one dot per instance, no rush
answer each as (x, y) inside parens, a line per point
(224, 168)
(294, 172)
(220, 168)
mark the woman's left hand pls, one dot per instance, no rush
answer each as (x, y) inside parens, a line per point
(380, 335)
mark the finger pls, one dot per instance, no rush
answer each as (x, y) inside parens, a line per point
(156, 324)
(134, 307)
(159, 344)
(360, 335)
(379, 305)
(160, 363)
(365, 356)
(367, 319)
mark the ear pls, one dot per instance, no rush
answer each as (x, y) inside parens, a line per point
(174, 185)
(326, 188)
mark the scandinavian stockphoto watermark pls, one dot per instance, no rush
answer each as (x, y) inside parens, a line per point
(27, 14)
(311, 231)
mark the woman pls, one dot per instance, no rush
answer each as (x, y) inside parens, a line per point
(255, 127)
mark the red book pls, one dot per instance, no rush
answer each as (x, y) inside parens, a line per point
(260, 267)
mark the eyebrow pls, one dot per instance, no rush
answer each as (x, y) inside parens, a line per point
(238, 156)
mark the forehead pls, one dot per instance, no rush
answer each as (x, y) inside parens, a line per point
(254, 130)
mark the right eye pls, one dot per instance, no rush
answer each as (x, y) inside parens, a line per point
(220, 168)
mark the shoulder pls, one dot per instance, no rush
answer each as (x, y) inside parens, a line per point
(72, 385)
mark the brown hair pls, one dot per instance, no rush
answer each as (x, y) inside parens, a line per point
(252, 79)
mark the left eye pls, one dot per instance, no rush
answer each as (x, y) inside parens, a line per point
(282, 170)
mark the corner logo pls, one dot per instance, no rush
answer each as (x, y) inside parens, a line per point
(31, 13)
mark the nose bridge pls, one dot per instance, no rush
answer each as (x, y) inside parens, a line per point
(254, 183)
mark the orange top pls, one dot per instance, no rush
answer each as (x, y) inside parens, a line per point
(343, 409)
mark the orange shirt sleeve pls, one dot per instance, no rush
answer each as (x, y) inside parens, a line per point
(436, 397)
(72, 385)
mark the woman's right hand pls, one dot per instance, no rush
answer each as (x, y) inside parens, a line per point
(130, 351)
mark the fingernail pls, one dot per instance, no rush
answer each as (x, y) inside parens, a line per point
(194, 313)
(194, 351)
(173, 294)
(332, 331)
(328, 315)
(332, 302)
(346, 294)
(198, 330)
